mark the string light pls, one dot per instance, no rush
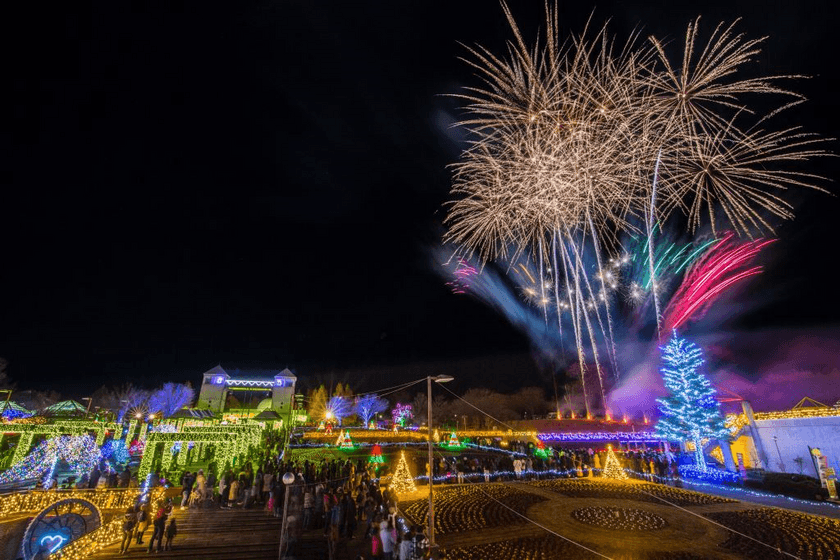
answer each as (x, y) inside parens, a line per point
(612, 468)
(690, 412)
(402, 482)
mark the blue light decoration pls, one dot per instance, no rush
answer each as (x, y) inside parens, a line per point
(368, 406)
(709, 475)
(115, 451)
(53, 542)
(219, 380)
(690, 412)
(623, 437)
(10, 410)
(80, 452)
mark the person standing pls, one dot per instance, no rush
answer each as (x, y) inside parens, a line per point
(142, 522)
(128, 529)
(186, 485)
(386, 535)
(159, 526)
(268, 483)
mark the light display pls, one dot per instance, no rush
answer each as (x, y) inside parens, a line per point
(231, 444)
(368, 406)
(402, 414)
(38, 500)
(709, 475)
(115, 451)
(454, 442)
(80, 452)
(402, 482)
(541, 451)
(690, 412)
(92, 542)
(376, 458)
(171, 398)
(347, 442)
(337, 409)
(612, 468)
(10, 410)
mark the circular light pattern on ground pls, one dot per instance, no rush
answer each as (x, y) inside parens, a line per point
(619, 519)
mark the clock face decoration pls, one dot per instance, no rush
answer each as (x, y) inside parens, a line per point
(58, 525)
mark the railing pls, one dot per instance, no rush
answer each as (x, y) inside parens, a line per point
(36, 500)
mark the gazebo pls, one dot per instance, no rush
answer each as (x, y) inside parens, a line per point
(65, 408)
(10, 410)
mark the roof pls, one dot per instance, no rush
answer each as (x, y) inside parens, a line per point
(192, 413)
(11, 409)
(65, 408)
(267, 415)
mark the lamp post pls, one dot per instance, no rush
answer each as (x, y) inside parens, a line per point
(90, 401)
(436, 379)
(781, 463)
(288, 479)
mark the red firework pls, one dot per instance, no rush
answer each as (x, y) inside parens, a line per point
(724, 265)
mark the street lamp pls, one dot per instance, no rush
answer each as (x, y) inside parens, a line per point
(90, 401)
(436, 379)
(288, 479)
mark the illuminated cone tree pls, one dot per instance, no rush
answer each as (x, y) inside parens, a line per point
(402, 482)
(612, 468)
(541, 451)
(454, 441)
(690, 412)
(376, 458)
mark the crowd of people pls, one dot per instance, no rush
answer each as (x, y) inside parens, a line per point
(344, 498)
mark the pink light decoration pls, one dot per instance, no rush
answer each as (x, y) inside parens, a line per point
(718, 270)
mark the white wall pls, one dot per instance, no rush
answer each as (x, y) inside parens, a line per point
(794, 435)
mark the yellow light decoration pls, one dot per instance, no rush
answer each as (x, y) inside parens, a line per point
(39, 500)
(612, 468)
(92, 542)
(402, 482)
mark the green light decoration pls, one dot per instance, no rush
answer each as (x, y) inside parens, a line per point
(541, 451)
(690, 412)
(454, 442)
(376, 457)
(346, 442)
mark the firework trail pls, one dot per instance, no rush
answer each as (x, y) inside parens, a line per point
(575, 142)
(724, 265)
(461, 277)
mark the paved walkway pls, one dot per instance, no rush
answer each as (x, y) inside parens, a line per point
(826, 509)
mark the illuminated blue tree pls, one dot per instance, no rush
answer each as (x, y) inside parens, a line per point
(338, 408)
(368, 406)
(171, 398)
(690, 412)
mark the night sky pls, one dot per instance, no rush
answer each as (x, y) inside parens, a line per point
(259, 185)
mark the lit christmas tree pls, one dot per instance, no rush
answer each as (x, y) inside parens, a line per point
(376, 458)
(402, 482)
(690, 412)
(347, 441)
(454, 441)
(541, 451)
(612, 468)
